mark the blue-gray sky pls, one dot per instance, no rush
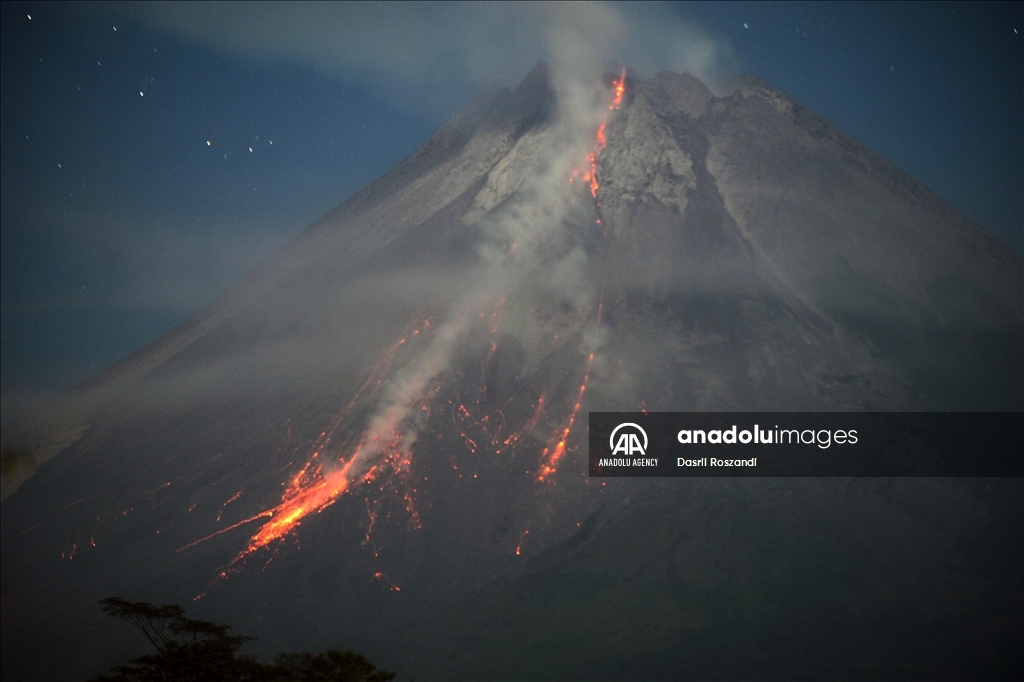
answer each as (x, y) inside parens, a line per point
(152, 154)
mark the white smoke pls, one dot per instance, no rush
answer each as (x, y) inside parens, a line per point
(435, 55)
(430, 55)
(581, 39)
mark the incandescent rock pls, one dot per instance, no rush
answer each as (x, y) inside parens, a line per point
(742, 254)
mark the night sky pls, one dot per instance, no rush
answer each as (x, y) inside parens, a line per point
(153, 154)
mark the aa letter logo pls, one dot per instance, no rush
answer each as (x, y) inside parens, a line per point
(625, 440)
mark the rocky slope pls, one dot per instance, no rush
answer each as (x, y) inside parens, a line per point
(739, 253)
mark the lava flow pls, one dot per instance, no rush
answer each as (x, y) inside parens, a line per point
(318, 483)
(551, 455)
(590, 177)
(386, 443)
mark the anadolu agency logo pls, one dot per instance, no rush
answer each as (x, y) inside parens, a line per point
(628, 442)
(629, 448)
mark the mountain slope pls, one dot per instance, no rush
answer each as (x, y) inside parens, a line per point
(469, 308)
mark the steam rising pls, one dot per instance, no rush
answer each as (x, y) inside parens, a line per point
(420, 56)
(519, 242)
(581, 40)
(433, 55)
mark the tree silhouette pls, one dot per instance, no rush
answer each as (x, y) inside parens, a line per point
(200, 651)
(327, 667)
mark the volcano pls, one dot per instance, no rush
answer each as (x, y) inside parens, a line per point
(377, 439)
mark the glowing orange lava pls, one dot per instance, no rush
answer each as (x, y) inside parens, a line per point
(519, 545)
(552, 454)
(620, 90)
(332, 469)
(590, 176)
(530, 424)
(314, 491)
(550, 466)
(318, 484)
(386, 581)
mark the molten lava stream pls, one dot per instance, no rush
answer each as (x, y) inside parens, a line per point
(316, 486)
(550, 466)
(313, 488)
(554, 453)
(620, 90)
(600, 141)
(300, 500)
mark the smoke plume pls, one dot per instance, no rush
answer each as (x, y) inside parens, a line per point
(433, 55)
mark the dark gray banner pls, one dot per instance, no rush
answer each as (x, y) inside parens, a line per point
(806, 444)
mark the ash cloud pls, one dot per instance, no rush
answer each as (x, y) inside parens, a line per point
(581, 39)
(433, 55)
(428, 56)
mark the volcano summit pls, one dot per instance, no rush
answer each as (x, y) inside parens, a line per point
(376, 440)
